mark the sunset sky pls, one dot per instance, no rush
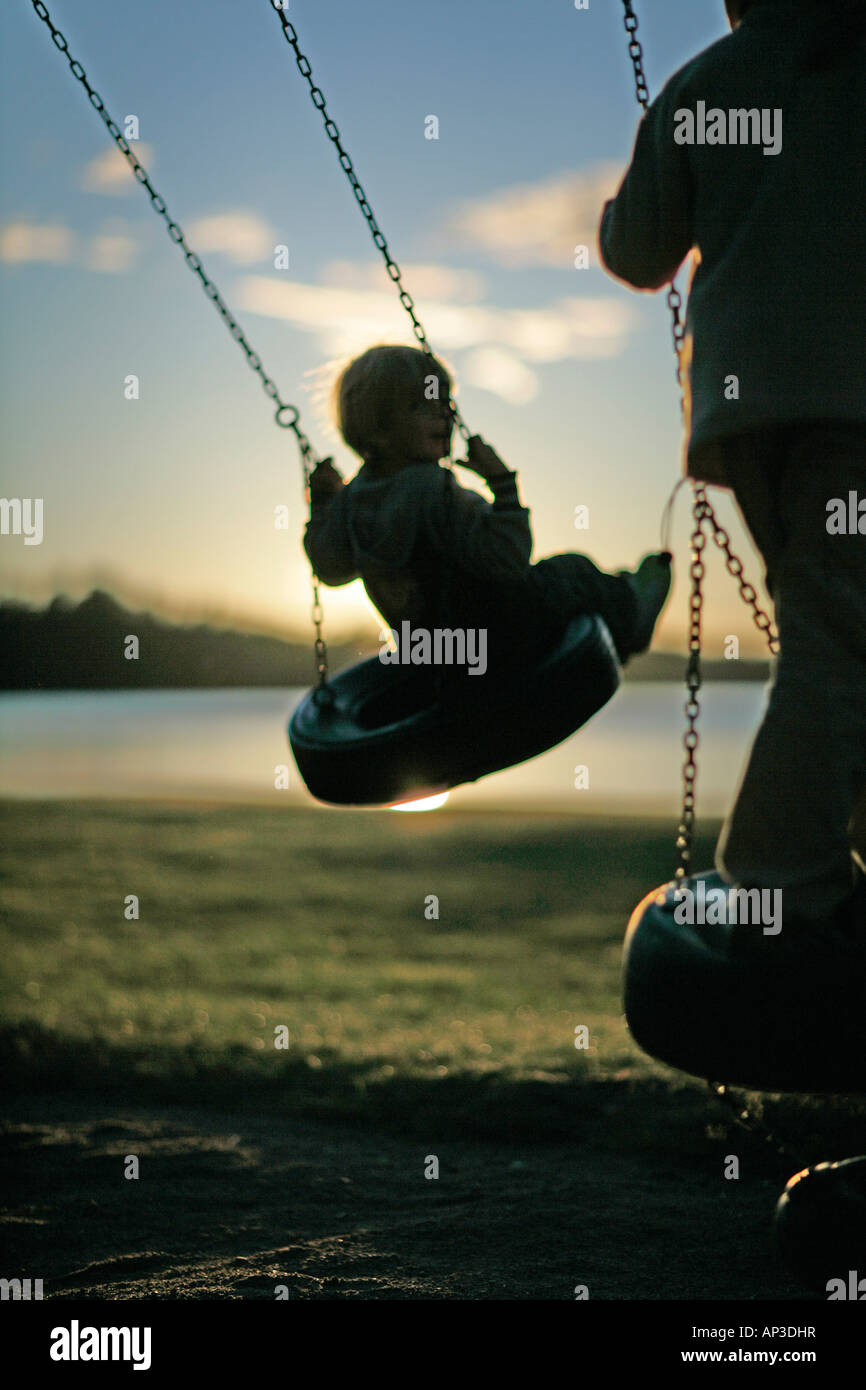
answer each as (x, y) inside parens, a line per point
(170, 498)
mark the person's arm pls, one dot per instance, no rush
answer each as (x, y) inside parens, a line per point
(328, 557)
(647, 230)
(493, 541)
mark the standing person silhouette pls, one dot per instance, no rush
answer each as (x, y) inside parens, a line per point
(753, 159)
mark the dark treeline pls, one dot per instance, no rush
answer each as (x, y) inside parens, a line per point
(69, 646)
(82, 646)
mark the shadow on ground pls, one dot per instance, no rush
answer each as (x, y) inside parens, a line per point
(542, 1186)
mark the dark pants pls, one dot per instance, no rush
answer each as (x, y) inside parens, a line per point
(570, 585)
(800, 810)
(525, 618)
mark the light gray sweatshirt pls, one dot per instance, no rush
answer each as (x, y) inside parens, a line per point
(776, 322)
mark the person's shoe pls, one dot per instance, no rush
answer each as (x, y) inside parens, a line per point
(821, 1227)
(850, 917)
(844, 926)
(721, 998)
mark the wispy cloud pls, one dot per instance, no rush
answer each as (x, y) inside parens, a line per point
(111, 253)
(111, 250)
(539, 223)
(505, 344)
(110, 172)
(241, 236)
(31, 241)
(426, 281)
(501, 372)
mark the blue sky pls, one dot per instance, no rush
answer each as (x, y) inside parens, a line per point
(567, 374)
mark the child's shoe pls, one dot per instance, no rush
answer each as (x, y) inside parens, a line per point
(821, 1227)
(650, 583)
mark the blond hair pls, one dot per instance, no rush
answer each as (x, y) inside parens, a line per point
(375, 382)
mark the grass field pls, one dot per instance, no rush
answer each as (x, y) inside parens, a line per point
(250, 919)
(456, 1030)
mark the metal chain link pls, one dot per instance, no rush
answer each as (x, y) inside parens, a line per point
(702, 513)
(685, 830)
(286, 416)
(758, 1128)
(734, 566)
(333, 134)
(635, 52)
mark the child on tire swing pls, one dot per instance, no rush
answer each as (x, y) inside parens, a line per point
(778, 306)
(434, 554)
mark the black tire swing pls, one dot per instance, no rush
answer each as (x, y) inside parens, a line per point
(700, 997)
(375, 734)
(380, 737)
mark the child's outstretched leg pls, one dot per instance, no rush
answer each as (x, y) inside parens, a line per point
(629, 602)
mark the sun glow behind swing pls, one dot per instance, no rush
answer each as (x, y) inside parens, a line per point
(424, 803)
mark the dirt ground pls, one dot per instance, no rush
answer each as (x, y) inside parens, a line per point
(230, 1205)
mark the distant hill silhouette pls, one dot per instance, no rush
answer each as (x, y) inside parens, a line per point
(69, 646)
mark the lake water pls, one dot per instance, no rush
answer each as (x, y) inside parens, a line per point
(224, 745)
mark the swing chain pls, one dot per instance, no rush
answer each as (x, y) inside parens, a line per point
(286, 416)
(734, 566)
(703, 512)
(635, 51)
(691, 738)
(743, 1116)
(678, 334)
(175, 232)
(322, 691)
(333, 133)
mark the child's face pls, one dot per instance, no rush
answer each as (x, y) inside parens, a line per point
(415, 432)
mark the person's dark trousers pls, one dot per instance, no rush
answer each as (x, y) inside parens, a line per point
(800, 812)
